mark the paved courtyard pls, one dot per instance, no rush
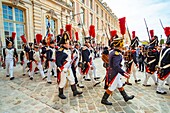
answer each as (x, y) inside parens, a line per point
(25, 96)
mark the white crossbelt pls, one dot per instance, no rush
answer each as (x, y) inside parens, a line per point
(152, 61)
(161, 57)
(131, 61)
(133, 42)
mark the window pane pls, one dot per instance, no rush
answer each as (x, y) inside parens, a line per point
(7, 12)
(9, 28)
(19, 15)
(19, 31)
(4, 6)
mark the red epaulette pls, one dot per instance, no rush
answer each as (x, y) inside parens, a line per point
(56, 47)
(133, 51)
(154, 50)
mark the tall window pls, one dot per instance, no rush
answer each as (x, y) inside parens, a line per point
(82, 15)
(82, 1)
(91, 19)
(102, 12)
(72, 12)
(14, 22)
(52, 25)
(102, 25)
(97, 23)
(91, 4)
(97, 9)
(106, 16)
(71, 3)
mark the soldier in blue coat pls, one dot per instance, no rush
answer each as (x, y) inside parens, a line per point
(151, 61)
(164, 67)
(64, 62)
(114, 72)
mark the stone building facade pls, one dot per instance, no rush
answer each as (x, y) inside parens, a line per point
(31, 17)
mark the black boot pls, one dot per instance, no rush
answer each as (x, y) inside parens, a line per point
(125, 96)
(104, 99)
(61, 95)
(74, 89)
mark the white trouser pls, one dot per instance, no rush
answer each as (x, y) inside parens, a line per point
(9, 67)
(53, 66)
(90, 75)
(161, 83)
(117, 83)
(39, 66)
(148, 75)
(24, 66)
(66, 74)
(134, 69)
(94, 70)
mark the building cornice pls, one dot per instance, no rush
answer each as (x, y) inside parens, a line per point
(106, 8)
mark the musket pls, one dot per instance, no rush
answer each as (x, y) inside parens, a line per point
(106, 33)
(109, 29)
(128, 32)
(147, 29)
(161, 23)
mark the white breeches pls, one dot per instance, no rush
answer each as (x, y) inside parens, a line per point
(9, 67)
(134, 69)
(66, 74)
(161, 83)
(117, 83)
(52, 66)
(39, 66)
(24, 66)
(148, 75)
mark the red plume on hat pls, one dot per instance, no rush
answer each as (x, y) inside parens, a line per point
(13, 35)
(68, 29)
(122, 25)
(77, 36)
(92, 31)
(113, 33)
(61, 31)
(133, 34)
(152, 33)
(38, 38)
(167, 31)
(23, 38)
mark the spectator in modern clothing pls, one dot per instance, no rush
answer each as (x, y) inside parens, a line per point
(141, 61)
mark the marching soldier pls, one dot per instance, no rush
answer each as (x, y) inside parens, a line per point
(10, 56)
(75, 53)
(105, 58)
(131, 61)
(35, 58)
(64, 63)
(30, 55)
(24, 55)
(151, 61)
(113, 77)
(164, 67)
(24, 58)
(88, 67)
(51, 59)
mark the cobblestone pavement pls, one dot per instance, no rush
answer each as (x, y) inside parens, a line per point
(25, 96)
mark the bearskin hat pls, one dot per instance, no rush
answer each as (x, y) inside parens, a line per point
(9, 40)
(154, 41)
(168, 40)
(65, 38)
(87, 39)
(117, 42)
